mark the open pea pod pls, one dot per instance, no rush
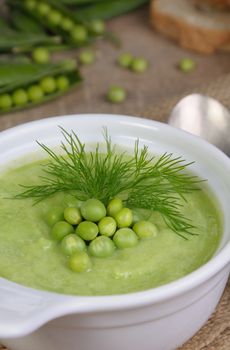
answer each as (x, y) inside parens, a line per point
(19, 41)
(23, 85)
(21, 21)
(12, 72)
(57, 19)
(8, 57)
(4, 25)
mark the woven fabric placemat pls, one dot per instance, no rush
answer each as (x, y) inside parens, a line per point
(215, 335)
(219, 89)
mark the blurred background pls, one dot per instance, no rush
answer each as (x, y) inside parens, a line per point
(131, 55)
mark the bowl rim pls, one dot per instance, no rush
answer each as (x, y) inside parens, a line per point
(153, 295)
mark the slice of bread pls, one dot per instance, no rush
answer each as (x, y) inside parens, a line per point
(182, 20)
(213, 4)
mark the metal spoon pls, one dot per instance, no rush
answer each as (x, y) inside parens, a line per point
(203, 116)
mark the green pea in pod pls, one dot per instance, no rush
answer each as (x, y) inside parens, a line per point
(25, 84)
(18, 40)
(57, 19)
(22, 22)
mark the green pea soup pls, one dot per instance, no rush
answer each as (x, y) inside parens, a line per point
(29, 256)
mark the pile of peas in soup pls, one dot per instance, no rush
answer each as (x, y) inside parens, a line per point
(94, 230)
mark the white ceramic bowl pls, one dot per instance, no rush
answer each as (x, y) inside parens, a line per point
(162, 318)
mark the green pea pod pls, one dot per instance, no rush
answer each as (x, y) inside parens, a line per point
(24, 23)
(14, 73)
(14, 76)
(46, 23)
(14, 58)
(18, 42)
(108, 9)
(4, 25)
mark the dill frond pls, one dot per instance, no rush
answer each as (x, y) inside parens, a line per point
(156, 184)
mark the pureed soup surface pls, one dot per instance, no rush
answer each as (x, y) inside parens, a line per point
(30, 257)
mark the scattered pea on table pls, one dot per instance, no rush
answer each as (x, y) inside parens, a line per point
(186, 65)
(116, 94)
(139, 65)
(125, 60)
(87, 57)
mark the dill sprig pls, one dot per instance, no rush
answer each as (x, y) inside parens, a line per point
(145, 182)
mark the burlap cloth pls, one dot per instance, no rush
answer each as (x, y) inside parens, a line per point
(215, 335)
(219, 89)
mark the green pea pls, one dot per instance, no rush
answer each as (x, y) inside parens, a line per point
(35, 93)
(72, 244)
(30, 4)
(67, 24)
(116, 94)
(54, 215)
(187, 65)
(5, 101)
(60, 230)
(145, 229)
(102, 247)
(70, 64)
(87, 230)
(139, 65)
(125, 238)
(41, 55)
(97, 27)
(125, 60)
(72, 215)
(54, 17)
(48, 84)
(124, 218)
(62, 82)
(43, 9)
(93, 210)
(73, 202)
(87, 57)
(20, 97)
(80, 262)
(107, 226)
(79, 34)
(114, 206)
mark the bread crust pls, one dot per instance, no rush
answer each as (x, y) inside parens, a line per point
(215, 4)
(194, 37)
